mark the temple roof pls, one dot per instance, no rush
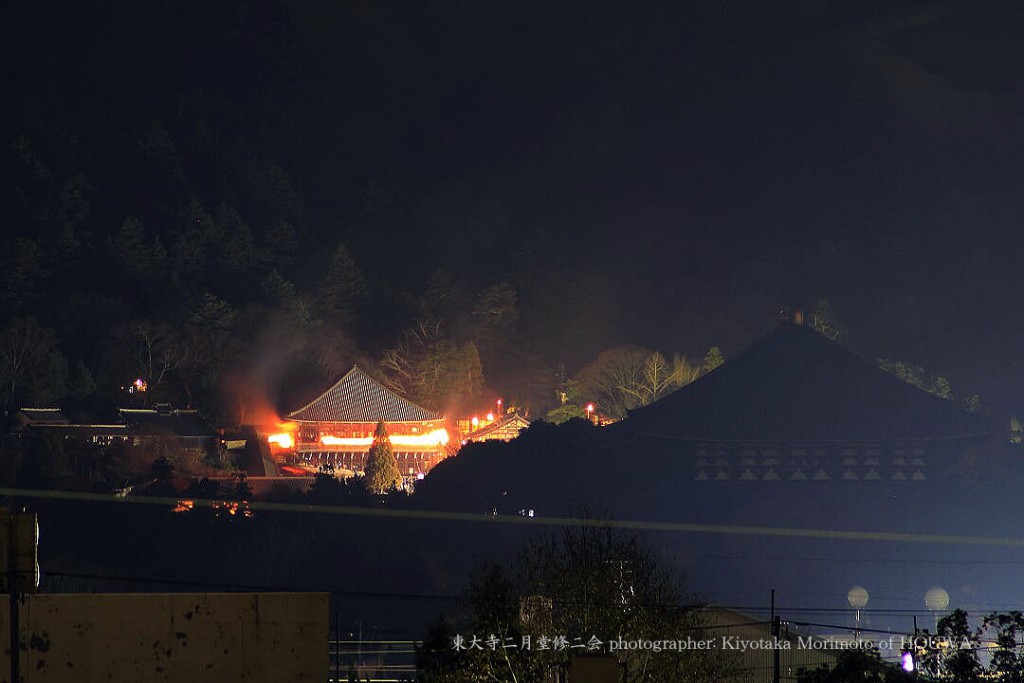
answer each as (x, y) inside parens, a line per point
(795, 384)
(357, 397)
(166, 422)
(508, 427)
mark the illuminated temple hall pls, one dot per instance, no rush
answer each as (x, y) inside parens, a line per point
(337, 427)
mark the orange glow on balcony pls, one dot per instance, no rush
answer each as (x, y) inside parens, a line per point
(329, 440)
(438, 437)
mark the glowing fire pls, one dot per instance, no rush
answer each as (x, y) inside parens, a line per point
(438, 437)
(284, 440)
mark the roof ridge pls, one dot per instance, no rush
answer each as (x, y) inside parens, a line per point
(326, 391)
(796, 384)
(358, 397)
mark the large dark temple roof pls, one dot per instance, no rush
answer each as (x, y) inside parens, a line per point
(357, 397)
(797, 385)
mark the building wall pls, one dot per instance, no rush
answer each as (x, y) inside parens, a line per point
(412, 460)
(214, 637)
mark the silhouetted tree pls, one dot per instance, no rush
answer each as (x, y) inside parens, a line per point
(204, 489)
(21, 270)
(237, 253)
(325, 489)
(858, 665)
(281, 245)
(585, 582)
(45, 462)
(140, 257)
(1007, 660)
(241, 490)
(32, 370)
(343, 290)
(81, 384)
(284, 294)
(958, 661)
(143, 349)
(161, 472)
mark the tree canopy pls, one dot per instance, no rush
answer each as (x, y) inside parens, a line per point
(587, 584)
(621, 379)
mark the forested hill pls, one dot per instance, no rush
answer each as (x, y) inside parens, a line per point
(235, 204)
(160, 229)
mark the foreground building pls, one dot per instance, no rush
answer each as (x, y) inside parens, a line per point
(162, 428)
(200, 637)
(336, 428)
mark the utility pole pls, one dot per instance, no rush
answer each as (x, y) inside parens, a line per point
(12, 593)
(20, 532)
(337, 645)
(776, 632)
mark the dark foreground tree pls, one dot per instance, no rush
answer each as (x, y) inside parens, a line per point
(857, 666)
(1006, 631)
(382, 474)
(568, 594)
(956, 652)
(953, 653)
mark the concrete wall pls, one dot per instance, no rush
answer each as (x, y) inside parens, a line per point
(215, 637)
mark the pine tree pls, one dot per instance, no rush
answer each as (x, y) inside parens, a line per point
(344, 290)
(382, 474)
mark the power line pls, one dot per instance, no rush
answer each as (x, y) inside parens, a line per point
(440, 597)
(849, 560)
(233, 586)
(504, 519)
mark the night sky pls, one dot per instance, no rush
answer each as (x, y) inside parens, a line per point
(669, 175)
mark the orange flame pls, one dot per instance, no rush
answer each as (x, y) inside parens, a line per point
(284, 440)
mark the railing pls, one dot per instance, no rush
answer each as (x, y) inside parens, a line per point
(370, 659)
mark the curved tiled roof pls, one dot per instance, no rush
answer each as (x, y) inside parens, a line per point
(797, 385)
(357, 397)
